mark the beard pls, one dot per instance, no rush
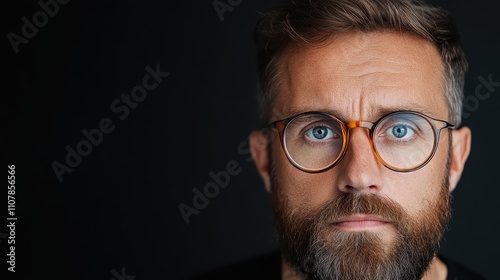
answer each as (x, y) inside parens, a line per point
(317, 250)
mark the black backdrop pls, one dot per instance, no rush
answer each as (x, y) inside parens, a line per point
(117, 212)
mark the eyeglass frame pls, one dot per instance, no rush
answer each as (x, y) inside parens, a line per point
(281, 125)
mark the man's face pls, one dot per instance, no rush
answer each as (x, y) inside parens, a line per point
(360, 218)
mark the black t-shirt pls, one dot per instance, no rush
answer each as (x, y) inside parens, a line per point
(268, 267)
(457, 271)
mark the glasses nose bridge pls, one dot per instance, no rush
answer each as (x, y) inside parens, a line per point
(364, 124)
(361, 124)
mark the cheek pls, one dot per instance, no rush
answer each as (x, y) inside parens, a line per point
(416, 191)
(305, 191)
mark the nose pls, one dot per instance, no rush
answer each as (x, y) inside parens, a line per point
(359, 170)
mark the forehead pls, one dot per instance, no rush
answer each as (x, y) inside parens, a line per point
(361, 76)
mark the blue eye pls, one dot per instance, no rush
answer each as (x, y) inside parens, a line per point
(400, 131)
(320, 133)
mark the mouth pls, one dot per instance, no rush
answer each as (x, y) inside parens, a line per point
(360, 222)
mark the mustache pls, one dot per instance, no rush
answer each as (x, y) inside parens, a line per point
(348, 204)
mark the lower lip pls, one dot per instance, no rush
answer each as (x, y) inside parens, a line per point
(360, 225)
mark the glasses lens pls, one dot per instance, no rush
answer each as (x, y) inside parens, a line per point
(313, 141)
(404, 140)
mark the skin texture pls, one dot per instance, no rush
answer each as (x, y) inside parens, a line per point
(362, 76)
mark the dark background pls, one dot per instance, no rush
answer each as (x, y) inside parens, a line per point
(118, 209)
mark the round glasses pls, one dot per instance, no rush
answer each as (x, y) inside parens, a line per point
(402, 141)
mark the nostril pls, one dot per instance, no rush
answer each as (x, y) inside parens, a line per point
(349, 188)
(355, 187)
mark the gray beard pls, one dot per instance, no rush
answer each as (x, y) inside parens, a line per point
(369, 260)
(317, 251)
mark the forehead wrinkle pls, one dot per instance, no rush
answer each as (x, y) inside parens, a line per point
(305, 77)
(369, 99)
(374, 112)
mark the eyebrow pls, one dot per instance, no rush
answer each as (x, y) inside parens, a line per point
(410, 107)
(376, 112)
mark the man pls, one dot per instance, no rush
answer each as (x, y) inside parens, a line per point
(361, 145)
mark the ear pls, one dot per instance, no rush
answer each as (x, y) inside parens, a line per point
(258, 148)
(461, 144)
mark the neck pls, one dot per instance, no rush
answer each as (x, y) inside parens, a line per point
(437, 271)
